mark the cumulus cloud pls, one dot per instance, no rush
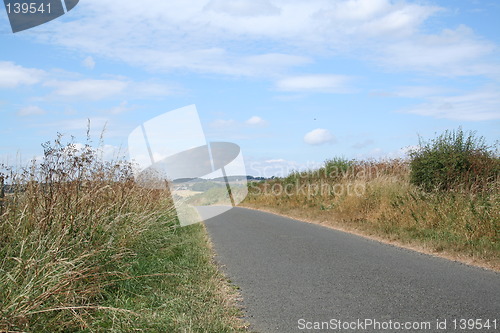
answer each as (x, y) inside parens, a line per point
(210, 35)
(319, 136)
(256, 121)
(88, 62)
(12, 75)
(213, 36)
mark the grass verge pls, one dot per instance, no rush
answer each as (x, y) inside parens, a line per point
(376, 199)
(83, 248)
(175, 287)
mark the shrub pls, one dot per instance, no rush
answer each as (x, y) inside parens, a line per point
(294, 177)
(454, 160)
(337, 167)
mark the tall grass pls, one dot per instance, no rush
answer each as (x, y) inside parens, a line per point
(378, 198)
(72, 229)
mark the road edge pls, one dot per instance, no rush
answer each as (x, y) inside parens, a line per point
(461, 259)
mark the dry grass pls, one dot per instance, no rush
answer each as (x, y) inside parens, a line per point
(376, 198)
(72, 236)
(63, 232)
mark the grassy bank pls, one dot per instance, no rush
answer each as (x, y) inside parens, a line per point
(378, 199)
(84, 249)
(172, 286)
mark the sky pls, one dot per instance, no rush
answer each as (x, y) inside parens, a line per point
(292, 82)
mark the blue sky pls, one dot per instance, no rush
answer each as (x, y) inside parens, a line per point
(292, 82)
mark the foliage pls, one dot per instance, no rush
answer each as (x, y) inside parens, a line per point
(454, 160)
(76, 235)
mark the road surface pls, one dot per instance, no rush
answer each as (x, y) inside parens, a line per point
(301, 277)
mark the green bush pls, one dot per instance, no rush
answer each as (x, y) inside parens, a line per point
(454, 160)
(337, 167)
(294, 177)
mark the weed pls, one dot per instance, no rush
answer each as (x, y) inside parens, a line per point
(84, 248)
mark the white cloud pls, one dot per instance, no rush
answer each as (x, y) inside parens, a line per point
(243, 7)
(104, 152)
(88, 89)
(99, 89)
(111, 153)
(413, 91)
(256, 121)
(233, 124)
(315, 84)
(272, 167)
(420, 91)
(89, 62)
(213, 35)
(12, 75)
(375, 17)
(358, 10)
(148, 89)
(31, 111)
(481, 105)
(278, 167)
(406, 151)
(319, 136)
(123, 107)
(269, 38)
(270, 60)
(279, 160)
(451, 53)
(269, 64)
(381, 154)
(65, 85)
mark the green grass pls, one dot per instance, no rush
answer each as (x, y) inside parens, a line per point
(177, 289)
(83, 248)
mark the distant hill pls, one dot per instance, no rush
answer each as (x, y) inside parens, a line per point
(218, 179)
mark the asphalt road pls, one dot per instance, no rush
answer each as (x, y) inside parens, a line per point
(300, 277)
